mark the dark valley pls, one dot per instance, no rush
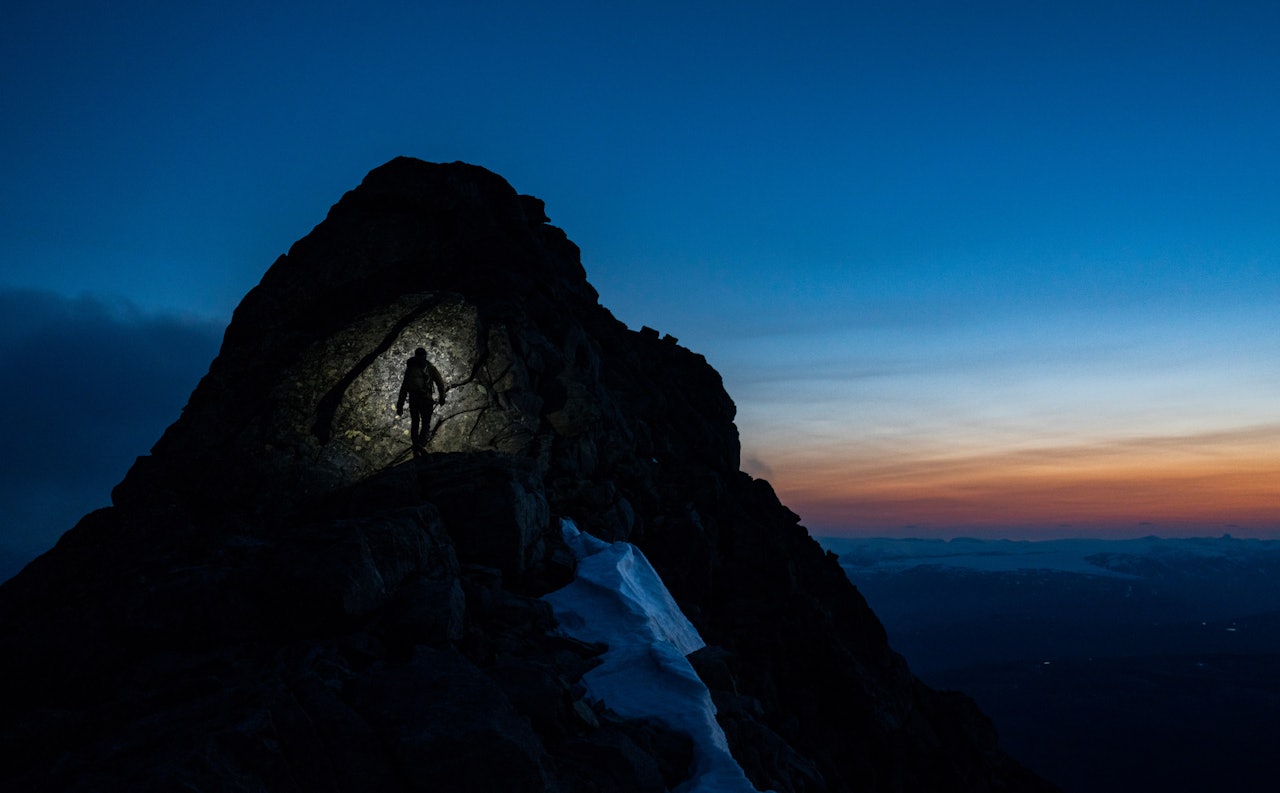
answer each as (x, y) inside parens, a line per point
(1146, 664)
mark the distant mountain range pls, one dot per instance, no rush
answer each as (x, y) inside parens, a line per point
(1107, 665)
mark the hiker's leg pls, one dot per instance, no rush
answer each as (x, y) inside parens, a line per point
(415, 422)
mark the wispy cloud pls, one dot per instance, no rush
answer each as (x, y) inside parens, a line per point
(1196, 479)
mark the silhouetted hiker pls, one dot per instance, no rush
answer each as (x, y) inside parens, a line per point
(419, 375)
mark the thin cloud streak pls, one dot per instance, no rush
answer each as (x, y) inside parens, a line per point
(1194, 480)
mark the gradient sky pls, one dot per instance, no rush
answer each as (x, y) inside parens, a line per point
(1002, 268)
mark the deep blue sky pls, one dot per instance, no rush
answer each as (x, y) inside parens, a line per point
(962, 265)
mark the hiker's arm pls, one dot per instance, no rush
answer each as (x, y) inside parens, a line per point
(404, 392)
(435, 375)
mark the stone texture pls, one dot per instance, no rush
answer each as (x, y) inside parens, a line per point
(283, 597)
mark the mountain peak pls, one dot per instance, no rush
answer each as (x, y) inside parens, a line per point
(445, 257)
(286, 591)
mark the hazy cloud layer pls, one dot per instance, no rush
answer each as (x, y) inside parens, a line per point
(1194, 483)
(89, 384)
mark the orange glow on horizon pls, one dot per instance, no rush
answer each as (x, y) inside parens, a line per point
(1206, 480)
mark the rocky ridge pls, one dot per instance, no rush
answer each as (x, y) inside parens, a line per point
(284, 597)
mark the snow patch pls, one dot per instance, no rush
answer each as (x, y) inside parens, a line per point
(619, 599)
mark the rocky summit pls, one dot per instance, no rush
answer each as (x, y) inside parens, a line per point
(286, 595)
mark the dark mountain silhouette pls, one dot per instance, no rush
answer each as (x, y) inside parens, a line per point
(282, 597)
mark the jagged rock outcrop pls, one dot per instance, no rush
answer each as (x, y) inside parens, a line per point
(285, 597)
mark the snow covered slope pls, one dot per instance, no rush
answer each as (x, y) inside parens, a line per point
(618, 599)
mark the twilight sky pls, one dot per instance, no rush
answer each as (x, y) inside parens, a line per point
(999, 268)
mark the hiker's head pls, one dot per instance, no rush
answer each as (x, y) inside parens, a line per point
(421, 352)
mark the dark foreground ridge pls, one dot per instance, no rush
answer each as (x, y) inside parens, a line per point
(284, 598)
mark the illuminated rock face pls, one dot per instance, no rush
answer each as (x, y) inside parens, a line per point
(344, 389)
(284, 598)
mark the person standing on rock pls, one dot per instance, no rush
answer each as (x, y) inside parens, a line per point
(419, 376)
